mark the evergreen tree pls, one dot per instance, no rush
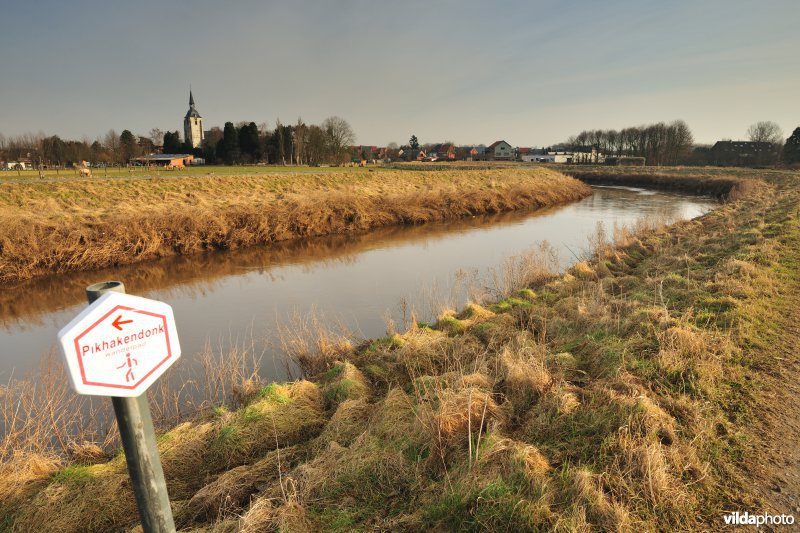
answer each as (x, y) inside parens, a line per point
(172, 143)
(791, 150)
(230, 144)
(128, 146)
(413, 143)
(249, 143)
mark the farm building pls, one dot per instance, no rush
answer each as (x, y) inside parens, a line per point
(742, 153)
(534, 155)
(538, 158)
(165, 160)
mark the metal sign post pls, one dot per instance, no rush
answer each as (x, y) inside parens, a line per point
(118, 346)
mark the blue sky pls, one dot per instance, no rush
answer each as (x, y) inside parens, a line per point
(532, 73)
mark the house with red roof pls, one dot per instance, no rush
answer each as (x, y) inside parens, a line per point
(500, 151)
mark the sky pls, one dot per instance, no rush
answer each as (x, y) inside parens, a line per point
(532, 73)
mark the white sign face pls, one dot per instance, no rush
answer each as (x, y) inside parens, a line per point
(119, 345)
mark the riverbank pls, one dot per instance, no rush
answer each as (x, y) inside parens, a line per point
(51, 228)
(625, 394)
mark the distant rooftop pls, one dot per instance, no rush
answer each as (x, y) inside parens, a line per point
(163, 157)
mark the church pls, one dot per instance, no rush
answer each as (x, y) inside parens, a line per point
(193, 125)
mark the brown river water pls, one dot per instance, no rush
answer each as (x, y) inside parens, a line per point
(240, 297)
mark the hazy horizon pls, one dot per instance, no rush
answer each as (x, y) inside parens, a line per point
(530, 73)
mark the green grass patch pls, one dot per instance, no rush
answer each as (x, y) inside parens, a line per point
(73, 475)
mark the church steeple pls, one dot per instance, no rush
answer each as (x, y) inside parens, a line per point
(193, 124)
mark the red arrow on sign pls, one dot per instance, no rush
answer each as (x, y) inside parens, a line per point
(118, 323)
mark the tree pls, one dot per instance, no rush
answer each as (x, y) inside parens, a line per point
(146, 145)
(392, 151)
(413, 143)
(300, 131)
(765, 132)
(230, 144)
(340, 137)
(128, 147)
(249, 142)
(282, 143)
(791, 150)
(54, 150)
(172, 142)
(111, 143)
(315, 146)
(157, 136)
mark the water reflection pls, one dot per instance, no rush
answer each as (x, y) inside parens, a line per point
(357, 277)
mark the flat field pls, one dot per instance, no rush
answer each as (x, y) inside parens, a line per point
(53, 226)
(196, 171)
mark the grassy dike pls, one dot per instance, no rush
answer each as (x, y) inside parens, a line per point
(623, 395)
(54, 227)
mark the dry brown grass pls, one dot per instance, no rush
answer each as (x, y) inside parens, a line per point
(231, 491)
(601, 400)
(267, 516)
(42, 415)
(83, 225)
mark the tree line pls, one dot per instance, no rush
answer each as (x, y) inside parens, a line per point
(659, 144)
(297, 144)
(673, 144)
(329, 142)
(242, 143)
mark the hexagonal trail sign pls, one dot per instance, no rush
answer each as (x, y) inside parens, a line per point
(119, 345)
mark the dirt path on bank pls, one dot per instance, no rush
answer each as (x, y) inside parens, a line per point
(774, 461)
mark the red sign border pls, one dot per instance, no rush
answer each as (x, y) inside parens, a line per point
(112, 385)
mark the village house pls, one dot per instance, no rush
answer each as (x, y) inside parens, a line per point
(500, 151)
(442, 151)
(477, 153)
(370, 154)
(412, 154)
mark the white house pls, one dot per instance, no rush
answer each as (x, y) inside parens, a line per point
(500, 150)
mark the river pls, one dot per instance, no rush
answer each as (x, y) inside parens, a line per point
(240, 297)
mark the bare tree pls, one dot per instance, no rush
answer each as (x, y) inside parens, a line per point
(316, 146)
(339, 135)
(281, 138)
(765, 131)
(111, 143)
(157, 136)
(299, 141)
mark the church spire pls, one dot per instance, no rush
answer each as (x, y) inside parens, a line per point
(191, 98)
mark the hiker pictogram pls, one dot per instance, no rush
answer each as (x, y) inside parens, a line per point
(119, 345)
(130, 363)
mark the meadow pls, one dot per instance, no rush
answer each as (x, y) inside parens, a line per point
(626, 394)
(56, 226)
(117, 172)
